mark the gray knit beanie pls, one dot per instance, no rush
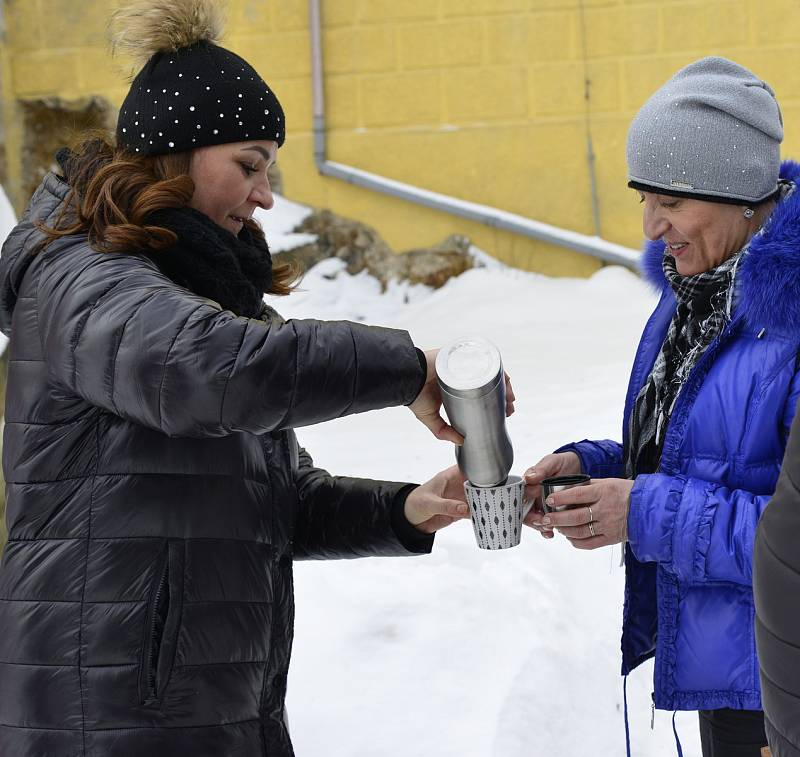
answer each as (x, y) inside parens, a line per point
(713, 132)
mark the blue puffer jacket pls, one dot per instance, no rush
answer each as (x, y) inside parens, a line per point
(688, 594)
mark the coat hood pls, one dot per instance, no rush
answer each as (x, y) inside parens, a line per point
(771, 266)
(18, 249)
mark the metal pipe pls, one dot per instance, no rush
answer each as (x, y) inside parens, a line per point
(317, 85)
(500, 219)
(587, 104)
(485, 214)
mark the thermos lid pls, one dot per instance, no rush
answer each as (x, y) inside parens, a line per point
(468, 365)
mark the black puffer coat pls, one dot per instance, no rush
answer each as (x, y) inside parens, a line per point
(776, 587)
(156, 500)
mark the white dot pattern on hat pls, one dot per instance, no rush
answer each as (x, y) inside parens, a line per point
(720, 137)
(197, 69)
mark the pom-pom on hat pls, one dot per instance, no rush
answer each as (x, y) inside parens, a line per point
(191, 92)
(712, 132)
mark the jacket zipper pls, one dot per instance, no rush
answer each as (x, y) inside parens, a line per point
(153, 649)
(698, 370)
(641, 376)
(152, 665)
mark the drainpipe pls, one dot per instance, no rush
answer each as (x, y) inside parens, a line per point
(485, 214)
(317, 87)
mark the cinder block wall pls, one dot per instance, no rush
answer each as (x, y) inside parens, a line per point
(491, 101)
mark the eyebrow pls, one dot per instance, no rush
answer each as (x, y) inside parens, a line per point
(256, 148)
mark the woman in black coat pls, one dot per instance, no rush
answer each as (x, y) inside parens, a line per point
(156, 493)
(776, 585)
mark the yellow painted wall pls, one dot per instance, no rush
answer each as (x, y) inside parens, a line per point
(480, 99)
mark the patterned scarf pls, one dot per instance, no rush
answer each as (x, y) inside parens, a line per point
(704, 308)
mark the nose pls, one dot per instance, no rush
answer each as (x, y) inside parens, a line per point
(654, 221)
(261, 194)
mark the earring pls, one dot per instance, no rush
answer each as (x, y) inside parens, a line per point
(749, 212)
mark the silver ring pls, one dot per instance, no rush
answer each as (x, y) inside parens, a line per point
(591, 529)
(591, 517)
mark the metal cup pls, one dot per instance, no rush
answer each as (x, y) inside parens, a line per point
(497, 512)
(559, 483)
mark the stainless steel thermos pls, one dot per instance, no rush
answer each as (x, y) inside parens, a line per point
(472, 382)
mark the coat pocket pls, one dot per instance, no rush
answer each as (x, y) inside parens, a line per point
(162, 623)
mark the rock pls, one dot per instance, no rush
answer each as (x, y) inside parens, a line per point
(362, 248)
(434, 266)
(49, 124)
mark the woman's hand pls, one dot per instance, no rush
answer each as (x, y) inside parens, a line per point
(428, 404)
(556, 464)
(598, 514)
(438, 502)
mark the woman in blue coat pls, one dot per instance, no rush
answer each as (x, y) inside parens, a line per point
(711, 397)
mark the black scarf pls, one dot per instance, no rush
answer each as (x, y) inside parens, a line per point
(213, 262)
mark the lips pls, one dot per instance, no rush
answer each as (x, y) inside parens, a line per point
(676, 249)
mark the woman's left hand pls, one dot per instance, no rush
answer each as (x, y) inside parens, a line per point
(438, 502)
(598, 515)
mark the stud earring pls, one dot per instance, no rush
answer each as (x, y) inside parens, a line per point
(749, 212)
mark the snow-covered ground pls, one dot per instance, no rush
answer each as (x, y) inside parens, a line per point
(466, 653)
(8, 220)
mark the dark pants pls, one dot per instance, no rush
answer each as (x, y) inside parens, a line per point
(732, 733)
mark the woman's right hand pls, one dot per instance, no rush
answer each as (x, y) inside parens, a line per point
(428, 404)
(556, 464)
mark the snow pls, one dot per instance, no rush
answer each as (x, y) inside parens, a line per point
(8, 220)
(281, 220)
(464, 652)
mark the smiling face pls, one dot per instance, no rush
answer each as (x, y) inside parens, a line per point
(231, 181)
(700, 235)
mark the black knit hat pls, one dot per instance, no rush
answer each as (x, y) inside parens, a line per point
(195, 97)
(190, 91)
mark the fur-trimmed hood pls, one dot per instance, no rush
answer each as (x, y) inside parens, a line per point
(768, 281)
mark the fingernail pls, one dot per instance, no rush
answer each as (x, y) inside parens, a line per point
(530, 472)
(549, 501)
(546, 520)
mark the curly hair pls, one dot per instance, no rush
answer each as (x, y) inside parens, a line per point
(112, 193)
